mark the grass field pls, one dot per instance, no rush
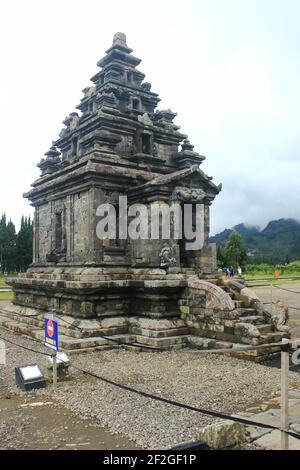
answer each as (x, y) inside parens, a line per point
(262, 275)
(6, 295)
(254, 283)
(254, 279)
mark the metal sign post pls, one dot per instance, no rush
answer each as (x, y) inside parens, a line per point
(271, 300)
(284, 395)
(54, 371)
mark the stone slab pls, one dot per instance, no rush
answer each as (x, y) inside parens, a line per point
(272, 441)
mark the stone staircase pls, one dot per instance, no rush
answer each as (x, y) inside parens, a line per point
(246, 314)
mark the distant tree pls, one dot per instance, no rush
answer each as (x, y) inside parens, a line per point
(7, 245)
(235, 250)
(24, 244)
(11, 251)
(221, 258)
(3, 242)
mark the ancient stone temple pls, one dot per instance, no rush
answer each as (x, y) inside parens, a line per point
(147, 292)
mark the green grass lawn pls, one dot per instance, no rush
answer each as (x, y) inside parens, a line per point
(6, 295)
(255, 282)
(264, 275)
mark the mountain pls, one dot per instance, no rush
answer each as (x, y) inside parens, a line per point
(278, 242)
(246, 230)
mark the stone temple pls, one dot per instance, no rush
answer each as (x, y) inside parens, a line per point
(152, 293)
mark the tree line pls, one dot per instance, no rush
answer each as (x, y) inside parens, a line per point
(15, 247)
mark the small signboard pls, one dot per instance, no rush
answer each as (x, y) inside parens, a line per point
(51, 333)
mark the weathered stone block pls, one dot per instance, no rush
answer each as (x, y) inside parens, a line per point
(223, 435)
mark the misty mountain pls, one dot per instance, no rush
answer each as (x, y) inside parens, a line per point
(278, 242)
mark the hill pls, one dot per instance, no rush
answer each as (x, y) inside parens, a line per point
(278, 242)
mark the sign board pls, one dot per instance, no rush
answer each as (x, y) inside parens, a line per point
(276, 274)
(51, 333)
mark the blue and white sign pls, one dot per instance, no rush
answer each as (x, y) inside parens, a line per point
(51, 333)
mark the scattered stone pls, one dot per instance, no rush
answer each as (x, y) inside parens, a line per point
(223, 435)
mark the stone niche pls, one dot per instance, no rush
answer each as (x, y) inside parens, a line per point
(118, 144)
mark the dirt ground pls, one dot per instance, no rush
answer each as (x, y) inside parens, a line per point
(32, 423)
(292, 299)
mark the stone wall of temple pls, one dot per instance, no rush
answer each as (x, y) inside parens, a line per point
(42, 232)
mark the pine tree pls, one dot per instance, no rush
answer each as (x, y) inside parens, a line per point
(11, 249)
(8, 254)
(3, 242)
(24, 244)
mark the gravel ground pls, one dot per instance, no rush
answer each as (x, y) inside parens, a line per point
(214, 382)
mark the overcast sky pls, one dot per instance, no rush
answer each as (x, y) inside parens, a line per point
(230, 68)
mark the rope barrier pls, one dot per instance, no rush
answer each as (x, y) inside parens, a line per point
(24, 347)
(287, 290)
(274, 303)
(230, 350)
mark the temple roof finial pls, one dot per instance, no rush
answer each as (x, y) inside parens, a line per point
(119, 40)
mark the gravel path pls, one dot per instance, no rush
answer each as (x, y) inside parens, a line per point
(210, 381)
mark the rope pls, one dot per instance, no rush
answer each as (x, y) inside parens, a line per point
(24, 347)
(231, 350)
(287, 290)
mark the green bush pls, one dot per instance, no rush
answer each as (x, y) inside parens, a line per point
(264, 269)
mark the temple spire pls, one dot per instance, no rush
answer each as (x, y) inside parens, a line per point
(119, 39)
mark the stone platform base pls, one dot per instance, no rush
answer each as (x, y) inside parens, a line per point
(151, 309)
(78, 336)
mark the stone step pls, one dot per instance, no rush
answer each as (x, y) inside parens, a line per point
(213, 281)
(259, 355)
(238, 303)
(226, 289)
(159, 333)
(266, 328)
(14, 323)
(245, 311)
(23, 328)
(176, 342)
(274, 337)
(254, 319)
(68, 343)
(73, 345)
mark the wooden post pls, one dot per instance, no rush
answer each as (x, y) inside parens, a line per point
(271, 298)
(54, 371)
(284, 397)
